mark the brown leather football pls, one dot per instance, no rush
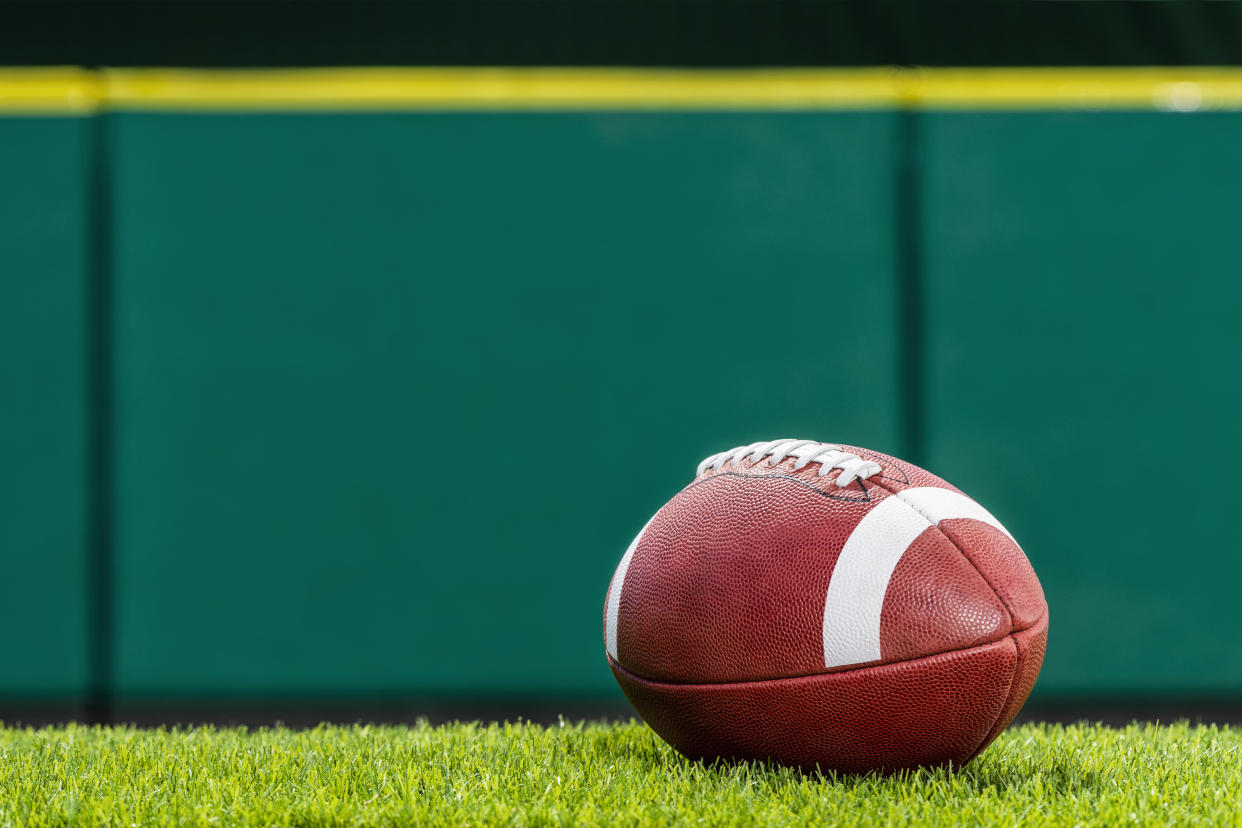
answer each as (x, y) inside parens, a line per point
(825, 605)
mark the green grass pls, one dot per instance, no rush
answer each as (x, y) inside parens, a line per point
(594, 774)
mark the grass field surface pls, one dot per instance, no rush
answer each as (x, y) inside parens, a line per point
(595, 774)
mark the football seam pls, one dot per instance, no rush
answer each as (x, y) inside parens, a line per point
(988, 736)
(852, 668)
(993, 733)
(1013, 628)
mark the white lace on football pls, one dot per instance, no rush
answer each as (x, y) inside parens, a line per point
(828, 457)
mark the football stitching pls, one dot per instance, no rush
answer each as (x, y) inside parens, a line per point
(891, 465)
(866, 498)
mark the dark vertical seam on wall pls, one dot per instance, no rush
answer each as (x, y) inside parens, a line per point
(911, 336)
(100, 614)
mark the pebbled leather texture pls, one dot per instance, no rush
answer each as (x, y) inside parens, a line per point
(728, 581)
(1002, 563)
(937, 601)
(720, 625)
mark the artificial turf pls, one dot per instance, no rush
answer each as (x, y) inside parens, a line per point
(595, 774)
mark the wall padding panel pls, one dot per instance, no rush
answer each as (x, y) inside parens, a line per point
(1083, 297)
(395, 391)
(43, 427)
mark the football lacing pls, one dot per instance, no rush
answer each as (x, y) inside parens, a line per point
(828, 457)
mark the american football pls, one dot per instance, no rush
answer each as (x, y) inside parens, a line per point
(823, 605)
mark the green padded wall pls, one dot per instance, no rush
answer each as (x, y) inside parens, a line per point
(1083, 296)
(395, 391)
(43, 222)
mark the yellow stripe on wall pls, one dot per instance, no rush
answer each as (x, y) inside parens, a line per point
(76, 91)
(63, 91)
(1179, 90)
(388, 89)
